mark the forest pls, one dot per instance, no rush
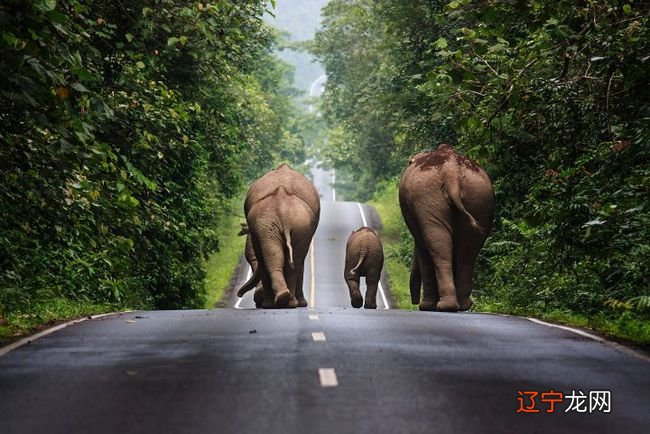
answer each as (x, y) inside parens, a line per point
(550, 97)
(129, 128)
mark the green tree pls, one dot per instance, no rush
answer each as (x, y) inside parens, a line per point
(125, 127)
(551, 97)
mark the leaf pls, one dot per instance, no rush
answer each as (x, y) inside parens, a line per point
(79, 87)
(46, 5)
(594, 222)
(139, 64)
(441, 43)
(172, 41)
(129, 37)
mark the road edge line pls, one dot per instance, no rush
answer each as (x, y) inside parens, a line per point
(611, 344)
(249, 273)
(380, 286)
(29, 339)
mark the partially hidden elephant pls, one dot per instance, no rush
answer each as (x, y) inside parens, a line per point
(282, 212)
(364, 256)
(447, 202)
(249, 254)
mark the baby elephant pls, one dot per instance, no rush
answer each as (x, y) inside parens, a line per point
(364, 256)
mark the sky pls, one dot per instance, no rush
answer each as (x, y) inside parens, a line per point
(301, 19)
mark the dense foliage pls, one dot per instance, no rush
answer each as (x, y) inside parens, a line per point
(551, 97)
(125, 127)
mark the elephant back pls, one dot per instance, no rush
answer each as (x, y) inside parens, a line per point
(294, 183)
(443, 176)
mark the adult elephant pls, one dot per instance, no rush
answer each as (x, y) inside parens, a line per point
(282, 212)
(447, 202)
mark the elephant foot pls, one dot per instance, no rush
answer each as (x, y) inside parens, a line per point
(464, 305)
(356, 299)
(447, 305)
(302, 302)
(258, 297)
(282, 298)
(427, 305)
(368, 305)
(293, 303)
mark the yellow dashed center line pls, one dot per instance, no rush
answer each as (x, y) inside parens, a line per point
(312, 291)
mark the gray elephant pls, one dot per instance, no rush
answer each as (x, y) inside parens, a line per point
(448, 205)
(249, 254)
(364, 256)
(282, 212)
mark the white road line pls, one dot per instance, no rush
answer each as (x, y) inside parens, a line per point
(382, 294)
(576, 331)
(318, 337)
(313, 317)
(30, 339)
(328, 377)
(363, 216)
(611, 344)
(249, 273)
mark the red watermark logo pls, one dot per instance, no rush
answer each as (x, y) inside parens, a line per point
(533, 401)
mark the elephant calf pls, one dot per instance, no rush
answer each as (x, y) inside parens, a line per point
(364, 256)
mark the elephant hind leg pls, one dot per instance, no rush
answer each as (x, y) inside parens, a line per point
(356, 299)
(428, 280)
(415, 282)
(258, 296)
(440, 248)
(300, 295)
(268, 301)
(466, 249)
(371, 292)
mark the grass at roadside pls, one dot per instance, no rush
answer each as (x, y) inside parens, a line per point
(53, 310)
(626, 326)
(393, 229)
(49, 312)
(220, 265)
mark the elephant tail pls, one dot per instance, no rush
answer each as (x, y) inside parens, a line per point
(252, 282)
(453, 190)
(287, 240)
(362, 257)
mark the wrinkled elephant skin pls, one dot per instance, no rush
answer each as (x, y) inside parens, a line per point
(282, 212)
(448, 205)
(364, 256)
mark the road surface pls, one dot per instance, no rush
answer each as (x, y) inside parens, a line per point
(326, 369)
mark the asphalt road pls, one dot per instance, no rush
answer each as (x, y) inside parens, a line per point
(325, 369)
